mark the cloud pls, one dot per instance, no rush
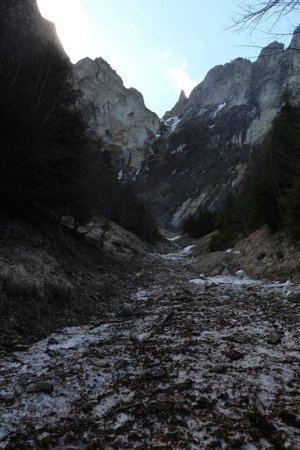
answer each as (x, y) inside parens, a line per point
(200, 45)
(181, 79)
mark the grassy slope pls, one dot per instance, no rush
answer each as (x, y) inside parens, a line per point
(49, 278)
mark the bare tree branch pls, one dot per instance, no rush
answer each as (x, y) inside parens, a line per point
(251, 15)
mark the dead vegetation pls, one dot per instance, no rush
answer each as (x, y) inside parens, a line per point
(50, 277)
(268, 255)
(187, 367)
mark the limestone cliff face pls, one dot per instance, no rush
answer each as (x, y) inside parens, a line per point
(206, 153)
(117, 115)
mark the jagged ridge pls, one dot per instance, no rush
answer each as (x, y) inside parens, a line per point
(221, 128)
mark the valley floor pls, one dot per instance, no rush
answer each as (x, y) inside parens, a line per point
(188, 363)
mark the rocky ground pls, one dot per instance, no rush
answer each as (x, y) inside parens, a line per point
(188, 362)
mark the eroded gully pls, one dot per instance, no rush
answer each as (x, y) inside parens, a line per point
(188, 363)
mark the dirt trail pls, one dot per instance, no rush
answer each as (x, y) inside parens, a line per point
(204, 364)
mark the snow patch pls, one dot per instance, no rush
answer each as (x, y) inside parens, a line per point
(172, 123)
(176, 255)
(179, 149)
(240, 281)
(219, 280)
(234, 252)
(201, 112)
(219, 108)
(173, 238)
(120, 175)
(188, 249)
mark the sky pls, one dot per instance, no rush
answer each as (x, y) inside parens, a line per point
(160, 46)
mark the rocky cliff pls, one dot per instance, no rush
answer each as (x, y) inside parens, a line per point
(206, 148)
(179, 107)
(202, 150)
(116, 115)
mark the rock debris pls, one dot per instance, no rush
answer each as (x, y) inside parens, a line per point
(213, 365)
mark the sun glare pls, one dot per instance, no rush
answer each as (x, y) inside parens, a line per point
(71, 24)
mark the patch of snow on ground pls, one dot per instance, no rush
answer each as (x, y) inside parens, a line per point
(218, 280)
(219, 108)
(172, 354)
(120, 175)
(201, 112)
(177, 255)
(188, 249)
(173, 238)
(234, 252)
(179, 149)
(172, 123)
(237, 281)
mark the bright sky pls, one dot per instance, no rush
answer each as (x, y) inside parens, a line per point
(158, 46)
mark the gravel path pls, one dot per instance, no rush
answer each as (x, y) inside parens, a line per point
(203, 364)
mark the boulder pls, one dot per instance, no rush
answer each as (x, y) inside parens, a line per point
(240, 274)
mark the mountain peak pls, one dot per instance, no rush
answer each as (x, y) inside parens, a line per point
(272, 49)
(178, 109)
(295, 43)
(182, 96)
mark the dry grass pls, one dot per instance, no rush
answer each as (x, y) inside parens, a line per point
(59, 289)
(16, 282)
(49, 279)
